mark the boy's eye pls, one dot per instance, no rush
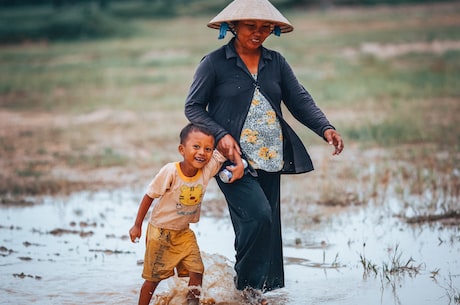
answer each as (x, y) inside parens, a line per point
(208, 149)
(196, 146)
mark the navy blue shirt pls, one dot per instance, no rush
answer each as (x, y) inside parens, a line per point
(222, 90)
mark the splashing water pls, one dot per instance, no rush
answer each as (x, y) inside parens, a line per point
(218, 287)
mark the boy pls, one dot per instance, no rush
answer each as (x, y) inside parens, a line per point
(179, 187)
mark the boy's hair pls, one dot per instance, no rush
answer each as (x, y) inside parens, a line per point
(191, 127)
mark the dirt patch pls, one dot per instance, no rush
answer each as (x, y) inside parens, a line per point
(385, 51)
(51, 153)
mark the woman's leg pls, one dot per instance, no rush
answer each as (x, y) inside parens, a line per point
(251, 212)
(147, 290)
(270, 183)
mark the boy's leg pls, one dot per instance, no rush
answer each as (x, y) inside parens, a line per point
(195, 282)
(147, 292)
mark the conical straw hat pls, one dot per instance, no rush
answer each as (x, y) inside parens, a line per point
(251, 10)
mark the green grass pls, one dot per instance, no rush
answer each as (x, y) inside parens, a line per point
(163, 54)
(145, 65)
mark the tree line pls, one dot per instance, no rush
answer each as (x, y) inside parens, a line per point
(282, 3)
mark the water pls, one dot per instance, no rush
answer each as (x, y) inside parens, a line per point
(76, 250)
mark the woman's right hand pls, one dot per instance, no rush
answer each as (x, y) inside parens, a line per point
(229, 147)
(231, 150)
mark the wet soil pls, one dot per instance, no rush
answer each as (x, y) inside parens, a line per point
(68, 250)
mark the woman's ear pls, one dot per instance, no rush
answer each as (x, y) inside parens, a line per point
(232, 27)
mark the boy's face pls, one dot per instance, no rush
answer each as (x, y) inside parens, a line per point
(197, 149)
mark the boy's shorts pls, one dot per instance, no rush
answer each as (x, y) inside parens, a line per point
(167, 250)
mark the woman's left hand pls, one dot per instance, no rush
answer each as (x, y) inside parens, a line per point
(334, 138)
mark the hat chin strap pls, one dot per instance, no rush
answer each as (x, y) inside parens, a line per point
(224, 28)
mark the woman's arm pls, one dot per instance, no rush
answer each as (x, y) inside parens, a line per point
(199, 96)
(300, 103)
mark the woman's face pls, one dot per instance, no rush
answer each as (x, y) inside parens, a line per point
(252, 33)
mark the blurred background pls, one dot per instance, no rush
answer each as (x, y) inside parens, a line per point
(91, 105)
(98, 87)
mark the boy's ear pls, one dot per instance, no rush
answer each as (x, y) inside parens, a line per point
(180, 148)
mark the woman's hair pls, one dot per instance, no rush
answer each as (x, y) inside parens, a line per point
(191, 127)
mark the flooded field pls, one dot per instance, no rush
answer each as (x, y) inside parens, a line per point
(379, 225)
(75, 250)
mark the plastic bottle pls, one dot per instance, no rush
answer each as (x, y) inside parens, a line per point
(225, 175)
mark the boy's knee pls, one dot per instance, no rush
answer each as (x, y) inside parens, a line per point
(149, 286)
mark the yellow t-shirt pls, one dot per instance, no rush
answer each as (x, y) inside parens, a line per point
(179, 196)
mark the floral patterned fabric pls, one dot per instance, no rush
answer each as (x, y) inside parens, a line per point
(262, 138)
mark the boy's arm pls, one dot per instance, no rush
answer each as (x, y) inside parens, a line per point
(136, 230)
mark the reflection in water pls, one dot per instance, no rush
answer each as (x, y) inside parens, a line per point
(76, 249)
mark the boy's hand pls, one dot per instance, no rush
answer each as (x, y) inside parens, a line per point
(135, 233)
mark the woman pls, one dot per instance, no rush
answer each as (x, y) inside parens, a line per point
(237, 92)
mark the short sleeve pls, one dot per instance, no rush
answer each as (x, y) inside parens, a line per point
(162, 182)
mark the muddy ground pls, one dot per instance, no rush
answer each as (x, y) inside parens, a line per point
(348, 237)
